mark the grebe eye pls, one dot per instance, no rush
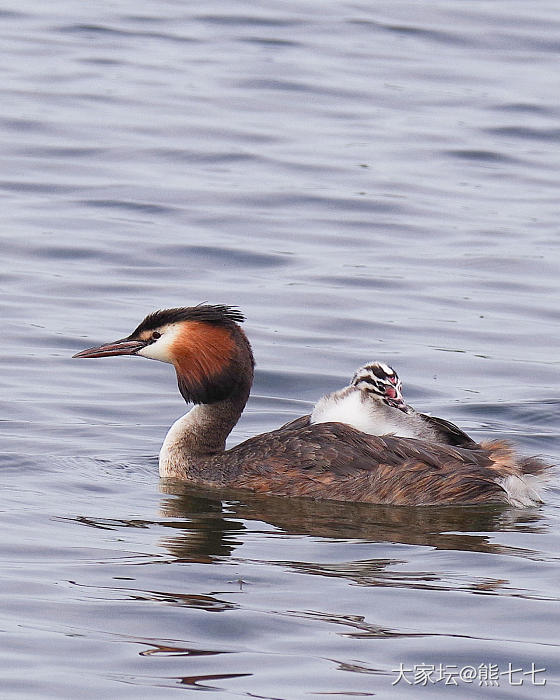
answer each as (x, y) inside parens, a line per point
(156, 335)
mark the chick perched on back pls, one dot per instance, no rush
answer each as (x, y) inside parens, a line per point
(373, 403)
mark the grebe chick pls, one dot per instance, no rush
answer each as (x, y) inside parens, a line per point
(214, 364)
(373, 403)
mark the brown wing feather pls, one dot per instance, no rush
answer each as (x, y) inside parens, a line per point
(301, 422)
(335, 461)
(449, 432)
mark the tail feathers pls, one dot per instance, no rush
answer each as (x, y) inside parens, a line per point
(524, 490)
(534, 466)
(523, 479)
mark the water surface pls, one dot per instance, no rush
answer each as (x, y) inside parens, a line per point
(365, 181)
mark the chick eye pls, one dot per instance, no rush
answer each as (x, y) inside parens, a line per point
(156, 335)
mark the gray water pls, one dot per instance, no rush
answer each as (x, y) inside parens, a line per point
(365, 181)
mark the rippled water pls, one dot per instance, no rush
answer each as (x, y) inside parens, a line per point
(365, 180)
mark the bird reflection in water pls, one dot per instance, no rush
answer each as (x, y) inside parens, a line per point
(212, 524)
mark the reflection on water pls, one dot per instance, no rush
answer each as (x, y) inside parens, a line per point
(207, 525)
(438, 527)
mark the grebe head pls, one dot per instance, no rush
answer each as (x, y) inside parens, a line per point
(210, 352)
(379, 379)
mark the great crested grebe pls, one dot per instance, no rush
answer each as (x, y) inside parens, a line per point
(373, 403)
(214, 365)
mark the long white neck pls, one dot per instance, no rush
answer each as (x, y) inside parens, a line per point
(217, 376)
(198, 435)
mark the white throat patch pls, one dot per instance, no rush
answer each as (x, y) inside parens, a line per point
(161, 349)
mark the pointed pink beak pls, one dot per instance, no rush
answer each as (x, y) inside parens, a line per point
(395, 398)
(119, 347)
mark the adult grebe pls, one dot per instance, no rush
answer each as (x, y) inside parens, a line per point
(214, 365)
(373, 403)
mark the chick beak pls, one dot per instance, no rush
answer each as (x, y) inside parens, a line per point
(395, 399)
(400, 404)
(118, 347)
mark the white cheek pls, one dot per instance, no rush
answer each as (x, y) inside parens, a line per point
(161, 349)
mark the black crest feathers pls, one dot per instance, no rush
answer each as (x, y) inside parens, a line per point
(219, 314)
